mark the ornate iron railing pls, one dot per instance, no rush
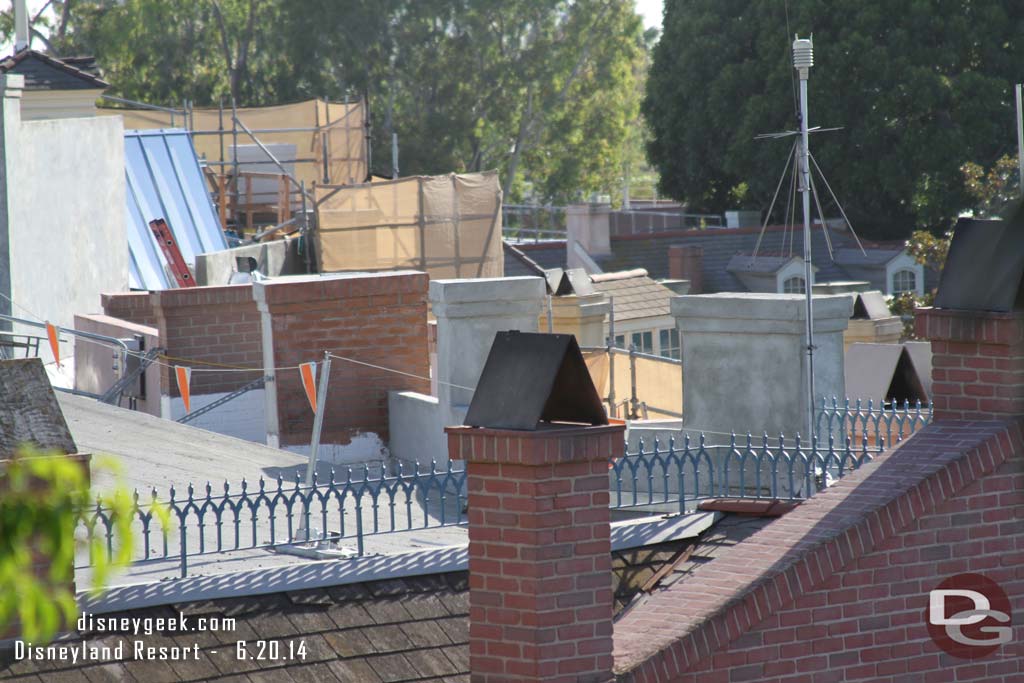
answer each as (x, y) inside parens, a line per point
(277, 513)
(667, 477)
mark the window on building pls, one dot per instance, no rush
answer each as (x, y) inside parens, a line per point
(794, 285)
(620, 341)
(669, 343)
(643, 341)
(904, 281)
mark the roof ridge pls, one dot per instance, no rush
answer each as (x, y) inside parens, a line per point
(619, 275)
(823, 535)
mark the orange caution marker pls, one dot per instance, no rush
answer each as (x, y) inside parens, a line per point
(51, 332)
(184, 376)
(308, 373)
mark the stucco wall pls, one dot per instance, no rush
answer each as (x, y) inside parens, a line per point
(66, 226)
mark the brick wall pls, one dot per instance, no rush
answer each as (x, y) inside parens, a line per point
(977, 361)
(135, 307)
(379, 319)
(837, 589)
(209, 326)
(540, 589)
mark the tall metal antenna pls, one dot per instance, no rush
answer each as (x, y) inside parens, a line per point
(803, 60)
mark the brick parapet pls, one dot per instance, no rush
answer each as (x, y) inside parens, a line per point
(977, 362)
(701, 626)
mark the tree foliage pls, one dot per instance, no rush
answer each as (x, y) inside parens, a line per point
(920, 87)
(42, 497)
(546, 91)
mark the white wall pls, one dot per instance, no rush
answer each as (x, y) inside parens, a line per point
(241, 417)
(65, 219)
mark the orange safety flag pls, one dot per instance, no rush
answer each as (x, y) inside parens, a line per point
(184, 376)
(308, 373)
(51, 332)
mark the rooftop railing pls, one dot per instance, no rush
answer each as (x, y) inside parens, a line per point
(657, 477)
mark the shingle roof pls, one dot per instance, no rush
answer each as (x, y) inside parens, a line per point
(393, 631)
(636, 295)
(43, 72)
(869, 257)
(720, 245)
(28, 409)
(762, 264)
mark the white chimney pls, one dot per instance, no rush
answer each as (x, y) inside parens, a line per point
(21, 38)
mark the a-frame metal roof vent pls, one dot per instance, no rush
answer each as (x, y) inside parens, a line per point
(985, 267)
(532, 381)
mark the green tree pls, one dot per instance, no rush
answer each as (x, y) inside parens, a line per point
(543, 90)
(919, 87)
(42, 497)
(167, 51)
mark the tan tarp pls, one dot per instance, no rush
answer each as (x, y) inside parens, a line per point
(659, 384)
(449, 226)
(341, 126)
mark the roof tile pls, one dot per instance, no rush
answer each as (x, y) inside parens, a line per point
(393, 668)
(354, 670)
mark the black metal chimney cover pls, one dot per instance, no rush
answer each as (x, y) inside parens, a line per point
(531, 378)
(985, 267)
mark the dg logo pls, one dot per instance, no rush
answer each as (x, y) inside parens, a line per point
(968, 616)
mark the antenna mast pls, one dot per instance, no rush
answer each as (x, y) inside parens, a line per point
(803, 60)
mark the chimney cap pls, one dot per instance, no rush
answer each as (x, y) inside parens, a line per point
(531, 379)
(985, 267)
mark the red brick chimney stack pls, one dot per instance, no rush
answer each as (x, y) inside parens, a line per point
(539, 551)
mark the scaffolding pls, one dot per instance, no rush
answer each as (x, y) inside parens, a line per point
(448, 226)
(260, 160)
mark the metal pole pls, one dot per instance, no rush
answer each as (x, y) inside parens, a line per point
(1020, 140)
(611, 356)
(307, 239)
(394, 155)
(318, 421)
(551, 322)
(803, 60)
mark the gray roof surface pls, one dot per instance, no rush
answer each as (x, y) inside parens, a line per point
(870, 257)
(764, 264)
(29, 412)
(397, 630)
(637, 296)
(547, 255)
(154, 452)
(43, 72)
(518, 264)
(720, 245)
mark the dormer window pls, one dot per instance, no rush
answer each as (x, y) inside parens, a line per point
(794, 285)
(904, 281)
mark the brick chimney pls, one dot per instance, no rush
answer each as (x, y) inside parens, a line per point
(687, 263)
(539, 551)
(977, 362)
(540, 581)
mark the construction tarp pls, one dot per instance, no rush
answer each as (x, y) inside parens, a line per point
(318, 129)
(448, 226)
(164, 181)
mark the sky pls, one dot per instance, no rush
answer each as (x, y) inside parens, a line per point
(650, 10)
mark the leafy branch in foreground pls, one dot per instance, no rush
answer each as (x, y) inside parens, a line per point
(42, 498)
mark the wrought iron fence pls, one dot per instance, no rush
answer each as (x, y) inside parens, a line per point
(674, 477)
(281, 513)
(665, 477)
